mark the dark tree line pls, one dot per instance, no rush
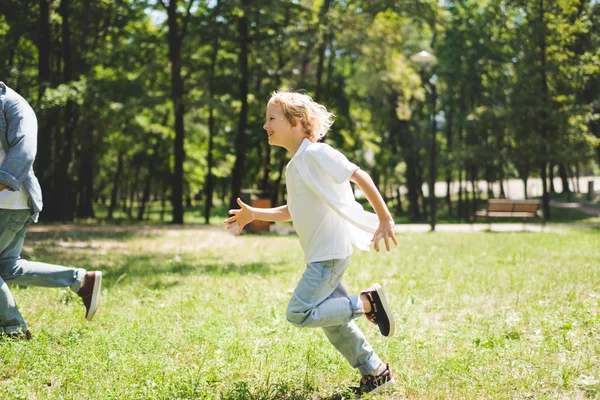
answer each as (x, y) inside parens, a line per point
(162, 101)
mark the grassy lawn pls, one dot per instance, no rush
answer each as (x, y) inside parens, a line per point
(198, 313)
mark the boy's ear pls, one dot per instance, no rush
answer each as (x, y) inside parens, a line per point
(293, 122)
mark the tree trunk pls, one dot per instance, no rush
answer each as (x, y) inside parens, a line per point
(412, 185)
(44, 155)
(163, 202)
(61, 198)
(270, 156)
(544, 176)
(432, 162)
(330, 70)
(475, 194)
(175, 38)
(577, 176)
(543, 113)
(420, 188)
(501, 182)
(398, 201)
(460, 205)
(401, 130)
(85, 205)
(152, 161)
(115, 189)
(449, 121)
(551, 178)
(133, 192)
(562, 171)
(240, 140)
(209, 180)
(323, 17)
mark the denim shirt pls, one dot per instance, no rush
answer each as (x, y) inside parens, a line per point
(18, 136)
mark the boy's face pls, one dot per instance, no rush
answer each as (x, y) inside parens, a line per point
(277, 126)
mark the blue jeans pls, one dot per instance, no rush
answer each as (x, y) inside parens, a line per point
(321, 301)
(15, 270)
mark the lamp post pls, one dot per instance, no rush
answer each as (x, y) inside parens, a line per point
(423, 58)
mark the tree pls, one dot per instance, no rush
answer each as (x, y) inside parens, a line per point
(178, 27)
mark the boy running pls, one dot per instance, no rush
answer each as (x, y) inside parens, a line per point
(328, 221)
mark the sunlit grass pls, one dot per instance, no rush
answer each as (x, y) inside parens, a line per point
(198, 313)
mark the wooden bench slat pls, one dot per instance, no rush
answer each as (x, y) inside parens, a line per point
(522, 214)
(511, 209)
(500, 207)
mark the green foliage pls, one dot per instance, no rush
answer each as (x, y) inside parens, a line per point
(494, 116)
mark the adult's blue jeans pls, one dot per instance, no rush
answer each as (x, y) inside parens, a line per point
(15, 270)
(321, 301)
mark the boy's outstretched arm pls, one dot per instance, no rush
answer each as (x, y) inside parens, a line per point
(385, 230)
(246, 214)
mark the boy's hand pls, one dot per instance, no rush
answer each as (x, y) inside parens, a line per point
(240, 218)
(385, 232)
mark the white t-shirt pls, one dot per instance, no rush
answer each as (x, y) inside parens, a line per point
(10, 200)
(322, 232)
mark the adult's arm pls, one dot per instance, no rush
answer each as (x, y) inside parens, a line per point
(21, 135)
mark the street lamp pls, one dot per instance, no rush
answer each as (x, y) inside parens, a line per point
(423, 58)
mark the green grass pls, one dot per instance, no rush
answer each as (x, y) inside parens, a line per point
(192, 313)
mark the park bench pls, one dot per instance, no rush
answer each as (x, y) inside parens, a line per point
(502, 208)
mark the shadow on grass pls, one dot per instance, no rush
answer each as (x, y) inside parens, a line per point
(78, 234)
(282, 391)
(145, 267)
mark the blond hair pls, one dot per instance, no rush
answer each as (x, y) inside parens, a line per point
(315, 118)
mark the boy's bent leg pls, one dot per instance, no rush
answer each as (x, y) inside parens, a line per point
(349, 340)
(319, 300)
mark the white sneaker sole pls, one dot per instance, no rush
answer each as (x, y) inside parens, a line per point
(383, 387)
(386, 308)
(95, 296)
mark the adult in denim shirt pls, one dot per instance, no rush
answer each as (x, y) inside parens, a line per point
(20, 204)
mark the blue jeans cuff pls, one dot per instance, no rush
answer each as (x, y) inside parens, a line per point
(357, 306)
(370, 366)
(79, 275)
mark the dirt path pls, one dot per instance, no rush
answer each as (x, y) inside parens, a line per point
(589, 210)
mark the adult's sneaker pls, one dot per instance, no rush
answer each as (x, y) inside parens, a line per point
(19, 335)
(90, 293)
(380, 313)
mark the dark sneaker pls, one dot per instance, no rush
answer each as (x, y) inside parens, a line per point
(374, 384)
(380, 314)
(19, 335)
(90, 293)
